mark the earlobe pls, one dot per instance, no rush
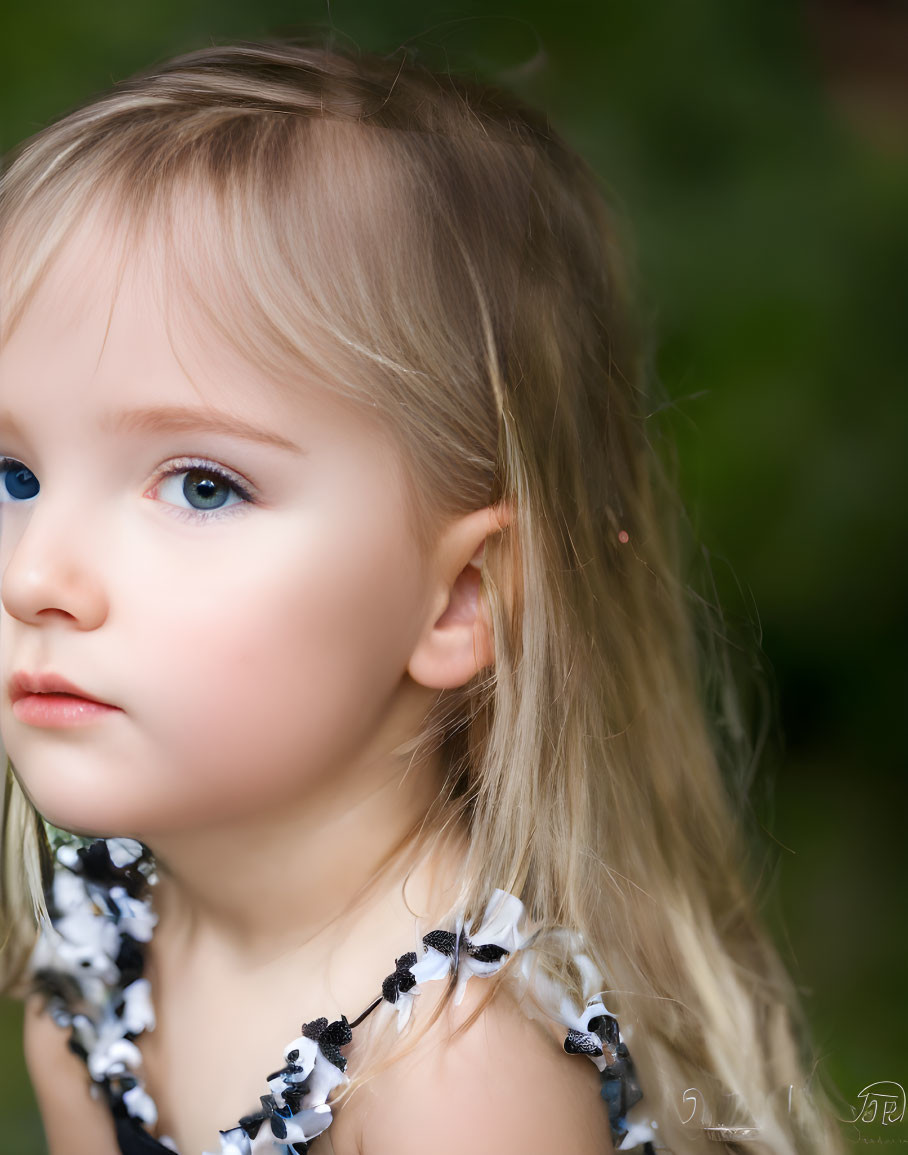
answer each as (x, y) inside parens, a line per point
(457, 641)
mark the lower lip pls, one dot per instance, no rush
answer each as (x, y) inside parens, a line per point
(58, 710)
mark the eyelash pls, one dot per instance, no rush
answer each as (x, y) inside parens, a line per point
(195, 464)
(183, 465)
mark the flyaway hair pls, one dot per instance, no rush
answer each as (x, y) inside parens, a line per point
(431, 250)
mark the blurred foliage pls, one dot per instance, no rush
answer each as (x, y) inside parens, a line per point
(771, 236)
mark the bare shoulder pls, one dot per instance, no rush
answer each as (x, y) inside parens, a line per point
(74, 1123)
(501, 1084)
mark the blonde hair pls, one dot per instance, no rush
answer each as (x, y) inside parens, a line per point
(432, 251)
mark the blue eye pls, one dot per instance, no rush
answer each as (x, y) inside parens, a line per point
(197, 489)
(17, 482)
(201, 489)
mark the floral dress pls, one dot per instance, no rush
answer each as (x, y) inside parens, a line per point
(88, 965)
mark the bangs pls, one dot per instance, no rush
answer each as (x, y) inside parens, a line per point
(263, 253)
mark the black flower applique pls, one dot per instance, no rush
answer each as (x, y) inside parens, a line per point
(282, 1123)
(486, 952)
(601, 1032)
(442, 941)
(402, 981)
(582, 1043)
(330, 1038)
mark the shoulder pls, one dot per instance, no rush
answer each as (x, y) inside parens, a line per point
(498, 1083)
(74, 1122)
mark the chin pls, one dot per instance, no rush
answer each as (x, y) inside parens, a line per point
(78, 813)
(77, 792)
(75, 820)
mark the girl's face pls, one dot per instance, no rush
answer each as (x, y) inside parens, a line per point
(228, 563)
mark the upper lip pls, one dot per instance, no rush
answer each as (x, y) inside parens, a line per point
(21, 684)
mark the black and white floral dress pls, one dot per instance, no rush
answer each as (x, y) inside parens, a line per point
(88, 965)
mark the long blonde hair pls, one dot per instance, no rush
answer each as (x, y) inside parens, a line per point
(431, 249)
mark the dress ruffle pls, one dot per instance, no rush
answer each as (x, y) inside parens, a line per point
(88, 964)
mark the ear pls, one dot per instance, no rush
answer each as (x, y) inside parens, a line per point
(457, 639)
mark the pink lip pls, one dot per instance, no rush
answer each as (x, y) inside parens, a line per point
(54, 711)
(22, 683)
(51, 701)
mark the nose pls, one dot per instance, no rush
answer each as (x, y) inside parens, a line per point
(50, 570)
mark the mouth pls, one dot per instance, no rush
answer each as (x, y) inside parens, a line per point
(50, 686)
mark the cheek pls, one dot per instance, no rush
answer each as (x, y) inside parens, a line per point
(287, 662)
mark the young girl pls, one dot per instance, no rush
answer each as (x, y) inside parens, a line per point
(344, 636)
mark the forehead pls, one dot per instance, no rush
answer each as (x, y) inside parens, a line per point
(113, 312)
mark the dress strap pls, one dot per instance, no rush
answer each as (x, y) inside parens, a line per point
(88, 964)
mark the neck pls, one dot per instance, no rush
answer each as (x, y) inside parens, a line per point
(264, 887)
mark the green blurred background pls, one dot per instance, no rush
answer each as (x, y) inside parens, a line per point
(759, 149)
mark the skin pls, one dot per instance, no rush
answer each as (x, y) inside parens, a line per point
(267, 660)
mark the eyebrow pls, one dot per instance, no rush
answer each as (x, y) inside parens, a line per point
(176, 419)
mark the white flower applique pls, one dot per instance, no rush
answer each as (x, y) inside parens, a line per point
(499, 935)
(465, 953)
